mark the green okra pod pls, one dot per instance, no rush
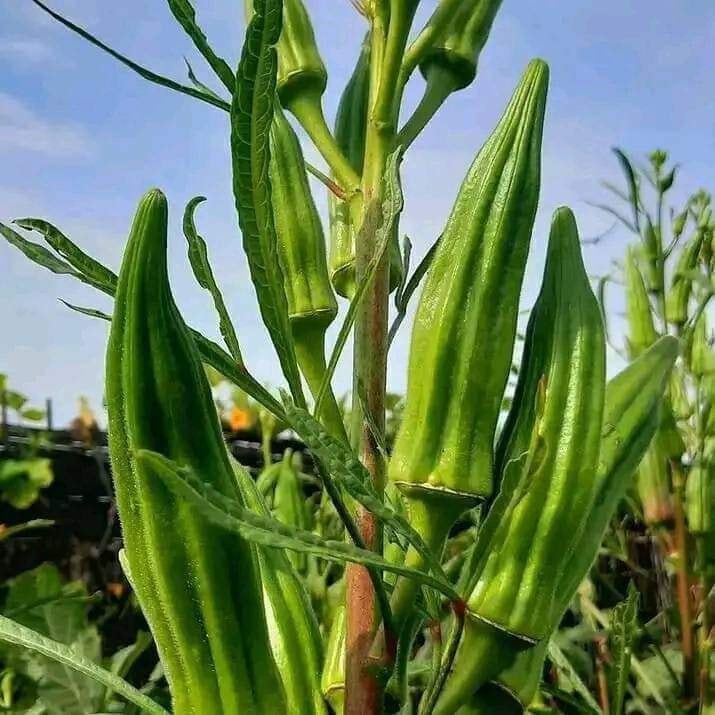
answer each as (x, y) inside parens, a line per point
(350, 135)
(301, 72)
(533, 534)
(464, 329)
(333, 677)
(289, 505)
(452, 57)
(639, 315)
(198, 585)
(301, 250)
(631, 416)
(292, 626)
(681, 287)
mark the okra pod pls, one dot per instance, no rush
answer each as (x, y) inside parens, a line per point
(198, 585)
(534, 534)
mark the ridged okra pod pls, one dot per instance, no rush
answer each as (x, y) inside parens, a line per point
(301, 72)
(681, 287)
(452, 58)
(301, 250)
(198, 586)
(631, 417)
(639, 315)
(333, 678)
(292, 627)
(350, 134)
(532, 533)
(289, 505)
(464, 329)
(465, 325)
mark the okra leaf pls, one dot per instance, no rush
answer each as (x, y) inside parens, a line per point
(564, 666)
(199, 260)
(391, 207)
(19, 635)
(38, 254)
(142, 71)
(98, 275)
(228, 514)
(633, 188)
(251, 116)
(402, 301)
(197, 82)
(624, 627)
(89, 312)
(185, 15)
(341, 463)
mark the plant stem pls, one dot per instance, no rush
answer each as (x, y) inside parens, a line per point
(683, 583)
(390, 28)
(309, 113)
(706, 630)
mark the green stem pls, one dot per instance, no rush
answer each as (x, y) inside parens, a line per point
(309, 343)
(308, 111)
(440, 84)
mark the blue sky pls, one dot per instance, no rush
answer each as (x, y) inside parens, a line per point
(81, 138)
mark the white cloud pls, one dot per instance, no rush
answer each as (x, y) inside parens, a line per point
(22, 129)
(25, 49)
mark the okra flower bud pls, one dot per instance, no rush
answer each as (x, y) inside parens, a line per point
(531, 534)
(197, 584)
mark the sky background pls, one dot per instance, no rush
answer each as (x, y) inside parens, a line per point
(81, 138)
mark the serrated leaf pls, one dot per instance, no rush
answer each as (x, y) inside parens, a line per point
(342, 464)
(392, 204)
(185, 15)
(251, 116)
(624, 628)
(199, 260)
(65, 656)
(93, 271)
(228, 514)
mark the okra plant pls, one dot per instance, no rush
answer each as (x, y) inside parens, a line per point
(668, 289)
(228, 571)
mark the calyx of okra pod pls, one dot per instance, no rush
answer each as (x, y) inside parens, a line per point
(210, 631)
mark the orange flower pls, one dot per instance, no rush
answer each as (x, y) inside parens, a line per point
(240, 419)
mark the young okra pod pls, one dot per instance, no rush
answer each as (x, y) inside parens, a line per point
(532, 532)
(631, 417)
(465, 325)
(681, 288)
(464, 329)
(639, 314)
(301, 251)
(197, 584)
(292, 627)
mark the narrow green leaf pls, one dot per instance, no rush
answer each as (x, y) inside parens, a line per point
(197, 82)
(98, 275)
(185, 15)
(142, 71)
(402, 301)
(89, 312)
(38, 254)
(624, 627)
(391, 208)
(199, 260)
(16, 634)
(227, 513)
(563, 664)
(633, 188)
(251, 116)
(341, 463)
